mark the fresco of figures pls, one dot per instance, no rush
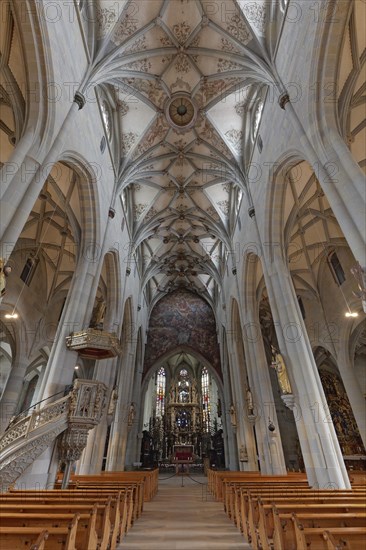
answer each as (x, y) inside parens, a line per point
(182, 319)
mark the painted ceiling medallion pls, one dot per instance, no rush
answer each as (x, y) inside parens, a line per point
(180, 111)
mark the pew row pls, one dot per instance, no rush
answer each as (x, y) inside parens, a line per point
(95, 515)
(273, 512)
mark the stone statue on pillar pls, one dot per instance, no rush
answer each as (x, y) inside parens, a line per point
(131, 414)
(250, 404)
(112, 402)
(232, 415)
(5, 270)
(98, 314)
(279, 365)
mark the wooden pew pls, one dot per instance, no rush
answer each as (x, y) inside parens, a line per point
(284, 534)
(268, 530)
(236, 505)
(150, 478)
(215, 479)
(88, 497)
(103, 510)
(286, 492)
(104, 489)
(86, 536)
(38, 544)
(314, 538)
(231, 486)
(105, 521)
(59, 538)
(247, 517)
(248, 501)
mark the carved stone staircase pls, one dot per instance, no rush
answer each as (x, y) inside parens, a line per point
(28, 436)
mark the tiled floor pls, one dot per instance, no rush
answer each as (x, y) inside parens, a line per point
(183, 516)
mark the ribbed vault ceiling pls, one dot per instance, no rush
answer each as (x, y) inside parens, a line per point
(183, 83)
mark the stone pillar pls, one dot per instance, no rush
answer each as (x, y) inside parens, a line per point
(92, 456)
(14, 384)
(231, 449)
(73, 319)
(324, 464)
(133, 441)
(11, 167)
(120, 425)
(244, 430)
(270, 450)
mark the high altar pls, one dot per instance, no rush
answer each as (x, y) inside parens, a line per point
(183, 416)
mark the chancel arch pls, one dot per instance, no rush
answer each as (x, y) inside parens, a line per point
(182, 409)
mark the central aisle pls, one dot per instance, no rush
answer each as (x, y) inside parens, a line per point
(183, 518)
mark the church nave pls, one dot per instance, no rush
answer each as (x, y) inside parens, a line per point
(184, 515)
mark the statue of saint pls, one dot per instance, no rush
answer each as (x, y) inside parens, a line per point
(131, 414)
(97, 317)
(243, 454)
(250, 403)
(112, 402)
(232, 415)
(279, 364)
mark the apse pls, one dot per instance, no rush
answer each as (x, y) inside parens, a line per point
(182, 320)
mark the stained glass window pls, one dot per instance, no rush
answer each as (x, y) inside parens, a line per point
(206, 406)
(160, 392)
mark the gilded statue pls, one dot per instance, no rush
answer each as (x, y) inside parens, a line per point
(4, 272)
(279, 364)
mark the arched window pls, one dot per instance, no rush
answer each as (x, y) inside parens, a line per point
(336, 268)
(301, 306)
(206, 405)
(160, 392)
(184, 386)
(29, 269)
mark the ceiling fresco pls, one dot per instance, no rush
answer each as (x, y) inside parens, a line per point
(182, 322)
